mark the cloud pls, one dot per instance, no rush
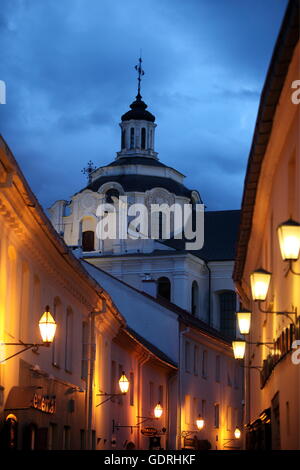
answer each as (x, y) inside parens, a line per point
(68, 67)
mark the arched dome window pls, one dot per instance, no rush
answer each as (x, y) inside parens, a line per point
(110, 193)
(195, 298)
(164, 288)
(123, 139)
(132, 137)
(143, 138)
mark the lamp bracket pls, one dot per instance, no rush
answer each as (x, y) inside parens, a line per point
(284, 313)
(109, 396)
(27, 346)
(291, 269)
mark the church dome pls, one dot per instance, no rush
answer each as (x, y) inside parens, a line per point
(138, 111)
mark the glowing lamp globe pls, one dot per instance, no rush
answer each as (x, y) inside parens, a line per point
(123, 383)
(47, 326)
(237, 433)
(244, 322)
(158, 410)
(239, 348)
(289, 240)
(200, 422)
(260, 281)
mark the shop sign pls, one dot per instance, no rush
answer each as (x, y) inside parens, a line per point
(149, 431)
(44, 403)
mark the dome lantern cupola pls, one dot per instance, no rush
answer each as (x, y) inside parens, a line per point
(137, 127)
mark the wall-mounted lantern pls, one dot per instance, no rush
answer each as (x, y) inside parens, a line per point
(47, 326)
(289, 241)
(244, 322)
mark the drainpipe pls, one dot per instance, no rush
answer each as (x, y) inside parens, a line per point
(181, 333)
(91, 371)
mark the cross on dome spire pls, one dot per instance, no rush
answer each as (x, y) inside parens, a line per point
(140, 72)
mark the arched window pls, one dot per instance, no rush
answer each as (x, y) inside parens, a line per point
(195, 298)
(132, 137)
(123, 139)
(143, 138)
(164, 288)
(56, 342)
(69, 340)
(87, 231)
(227, 302)
(88, 240)
(110, 193)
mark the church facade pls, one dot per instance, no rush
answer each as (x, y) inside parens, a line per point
(181, 300)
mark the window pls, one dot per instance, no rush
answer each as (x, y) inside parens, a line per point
(55, 344)
(161, 395)
(204, 364)
(25, 289)
(217, 415)
(164, 288)
(151, 396)
(196, 360)
(113, 373)
(195, 298)
(88, 240)
(218, 368)
(229, 372)
(229, 418)
(123, 139)
(69, 340)
(203, 408)
(84, 350)
(236, 376)
(227, 313)
(66, 438)
(132, 138)
(52, 436)
(82, 439)
(143, 138)
(121, 368)
(110, 195)
(131, 388)
(187, 353)
(187, 409)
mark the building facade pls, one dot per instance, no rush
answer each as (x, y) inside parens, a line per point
(49, 395)
(271, 198)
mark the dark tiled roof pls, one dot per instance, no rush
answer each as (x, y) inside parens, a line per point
(157, 352)
(220, 236)
(137, 161)
(138, 111)
(142, 183)
(276, 76)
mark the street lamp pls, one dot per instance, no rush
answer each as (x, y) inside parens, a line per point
(237, 433)
(123, 383)
(200, 422)
(47, 327)
(289, 241)
(244, 322)
(239, 348)
(158, 410)
(260, 281)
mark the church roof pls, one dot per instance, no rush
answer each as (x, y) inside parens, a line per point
(141, 183)
(138, 111)
(220, 236)
(137, 161)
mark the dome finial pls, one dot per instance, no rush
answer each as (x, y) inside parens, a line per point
(140, 72)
